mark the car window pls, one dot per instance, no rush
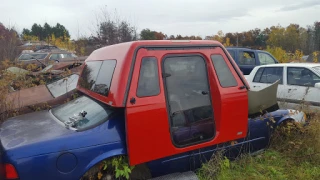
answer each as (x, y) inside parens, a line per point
(62, 86)
(257, 77)
(224, 74)
(66, 55)
(32, 56)
(25, 57)
(54, 57)
(265, 59)
(270, 75)
(301, 77)
(97, 75)
(232, 53)
(189, 101)
(148, 83)
(96, 112)
(247, 58)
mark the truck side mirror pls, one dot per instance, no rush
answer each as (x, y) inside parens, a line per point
(317, 85)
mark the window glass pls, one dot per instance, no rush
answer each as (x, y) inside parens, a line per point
(224, 74)
(257, 77)
(148, 84)
(63, 86)
(232, 53)
(188, 93)
(103, 81)
(54, 57)
(271, 75)
(246, 58)
(301, 77)
(33, 56)
(97, 75)
(265, 59)
(96, 112)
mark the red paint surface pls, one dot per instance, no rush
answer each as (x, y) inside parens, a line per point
(147, 124)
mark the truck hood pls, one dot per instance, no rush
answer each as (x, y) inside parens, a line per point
(30, 129)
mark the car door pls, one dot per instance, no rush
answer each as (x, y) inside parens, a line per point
(300, 88)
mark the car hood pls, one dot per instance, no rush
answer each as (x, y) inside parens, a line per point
(40, 133)
(30, 129)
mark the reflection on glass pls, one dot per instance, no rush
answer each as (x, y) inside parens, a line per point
(96, 112)
(190, 108)
(97, 75)
(63, 86)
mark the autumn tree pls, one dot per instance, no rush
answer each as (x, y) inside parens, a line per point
(9, 41)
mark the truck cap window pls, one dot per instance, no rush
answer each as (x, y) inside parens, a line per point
(148, 84)
(97, 75)
(224, 74)
(96, 112)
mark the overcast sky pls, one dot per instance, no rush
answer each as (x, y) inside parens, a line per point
(185, 17)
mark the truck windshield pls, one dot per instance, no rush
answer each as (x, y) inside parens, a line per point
(96, 112)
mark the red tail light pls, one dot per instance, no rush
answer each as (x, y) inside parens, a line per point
(11, 172)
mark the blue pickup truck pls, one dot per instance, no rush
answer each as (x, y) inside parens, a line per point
(247, 58)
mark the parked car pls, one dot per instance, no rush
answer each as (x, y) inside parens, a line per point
(131, 94)
(299, 83)
(247, 58)
(43, 59)
(51, 94)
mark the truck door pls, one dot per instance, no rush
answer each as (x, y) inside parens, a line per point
(181, 100)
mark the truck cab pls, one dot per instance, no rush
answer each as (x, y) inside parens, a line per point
(165, 105)
(247, 58)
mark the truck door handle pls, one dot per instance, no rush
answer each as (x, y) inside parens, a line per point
(242, 87)
(204, 92)
(291, 90)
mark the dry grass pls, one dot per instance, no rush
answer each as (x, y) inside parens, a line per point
(294, 153)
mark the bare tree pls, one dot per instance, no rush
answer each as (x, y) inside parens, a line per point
(112, 29)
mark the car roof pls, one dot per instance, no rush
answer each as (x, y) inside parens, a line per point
(310, 65)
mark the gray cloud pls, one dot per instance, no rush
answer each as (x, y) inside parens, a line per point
(185, 17)
(301, 5)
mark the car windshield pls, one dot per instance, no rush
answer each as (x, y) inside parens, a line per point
(32, 56)
(82, 113)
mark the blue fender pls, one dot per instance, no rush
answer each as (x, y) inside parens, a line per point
(284, 118)
(106, 155)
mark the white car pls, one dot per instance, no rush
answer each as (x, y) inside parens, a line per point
(299, 83)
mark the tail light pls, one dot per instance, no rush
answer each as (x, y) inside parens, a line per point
(10, 172)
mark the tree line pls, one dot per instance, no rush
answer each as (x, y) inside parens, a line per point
(111, 29)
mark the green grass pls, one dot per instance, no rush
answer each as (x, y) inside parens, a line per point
(266, 166)
(294, 155)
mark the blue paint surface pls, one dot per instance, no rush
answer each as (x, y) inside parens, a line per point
(34, 142)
